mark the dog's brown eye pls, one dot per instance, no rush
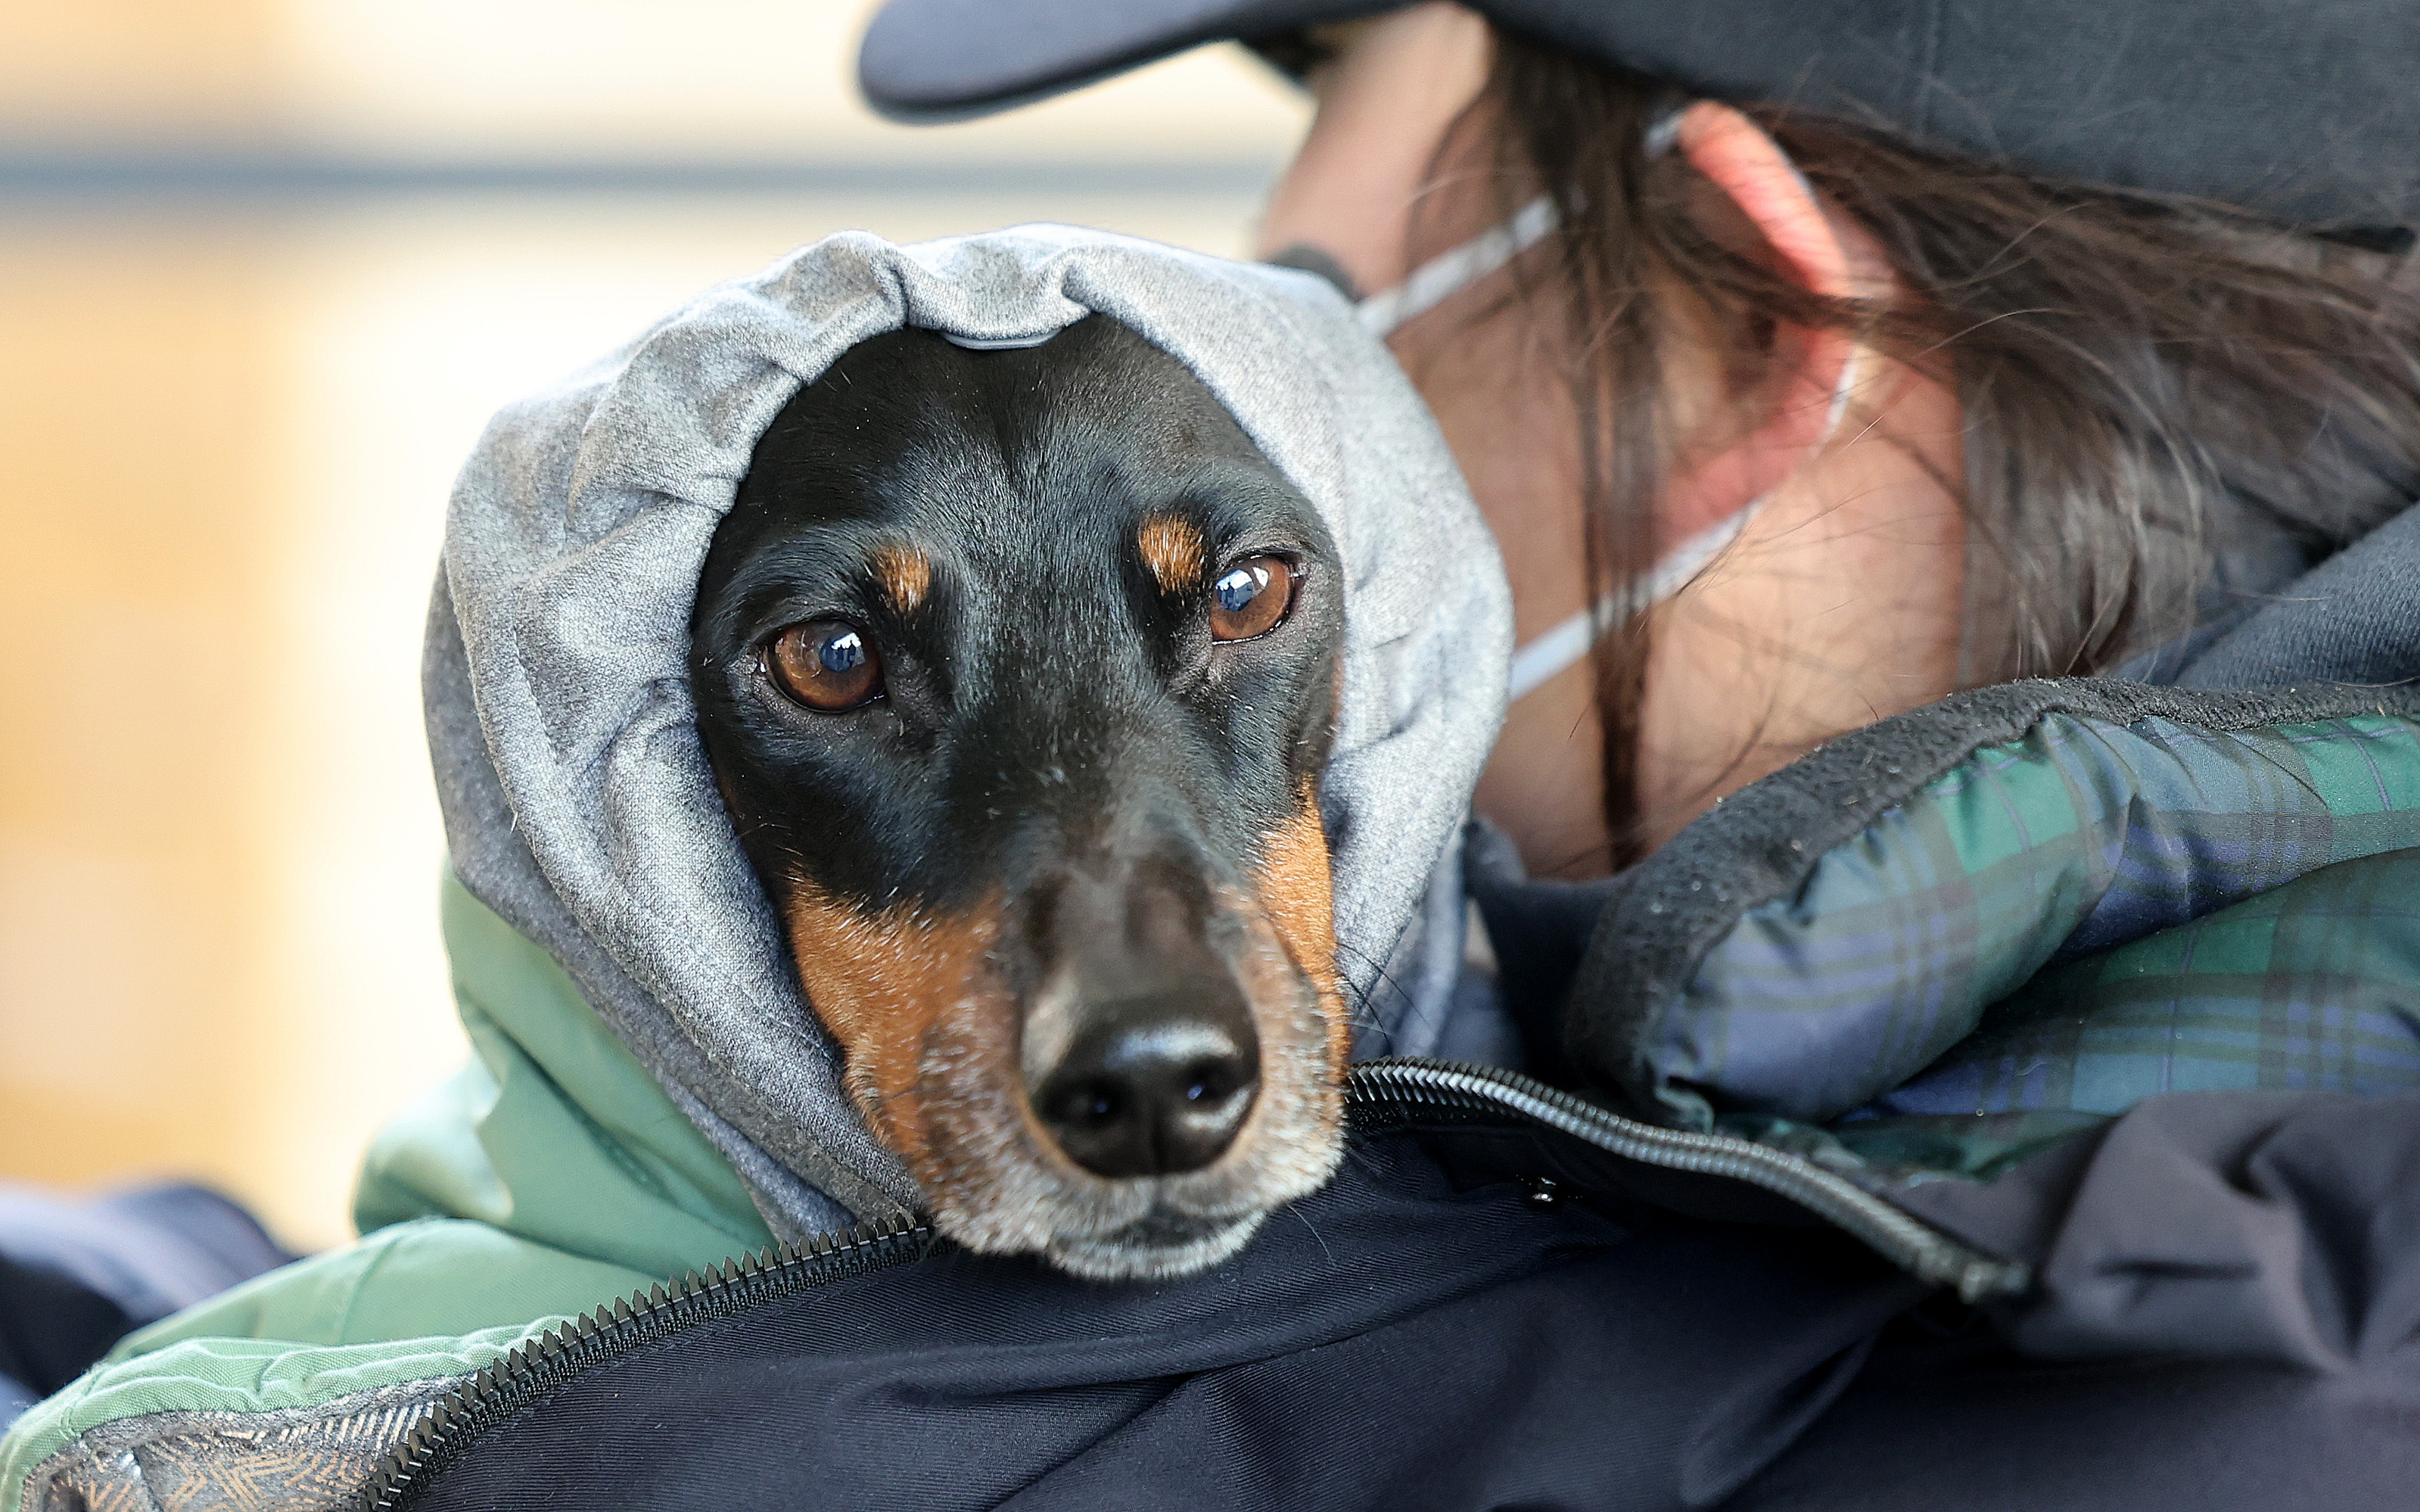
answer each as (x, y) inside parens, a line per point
(828, 665)
(1250, 597)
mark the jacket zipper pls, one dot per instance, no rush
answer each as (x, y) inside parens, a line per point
(450, 1425)
(1908, 1242)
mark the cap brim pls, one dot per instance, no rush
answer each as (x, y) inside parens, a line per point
(2304, 112)
(927, 61)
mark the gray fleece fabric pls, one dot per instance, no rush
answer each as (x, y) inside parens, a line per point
(576, 796)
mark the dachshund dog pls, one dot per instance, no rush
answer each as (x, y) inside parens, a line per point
(1018, 670)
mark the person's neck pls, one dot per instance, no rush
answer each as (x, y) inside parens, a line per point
(1840, 604)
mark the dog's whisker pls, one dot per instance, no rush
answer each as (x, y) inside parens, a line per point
(1363, 1014)
(1305, 1218)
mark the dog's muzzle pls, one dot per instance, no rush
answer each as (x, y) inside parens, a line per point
(1139, 1054)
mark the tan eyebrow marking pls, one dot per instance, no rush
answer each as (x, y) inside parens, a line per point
(1174, 551)
(907, 575)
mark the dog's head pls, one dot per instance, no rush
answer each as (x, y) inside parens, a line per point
(1018, 670)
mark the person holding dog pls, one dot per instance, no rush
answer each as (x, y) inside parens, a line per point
(2059, 362)
(1922, 1013)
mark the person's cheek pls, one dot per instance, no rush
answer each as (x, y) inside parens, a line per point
(1384, 104)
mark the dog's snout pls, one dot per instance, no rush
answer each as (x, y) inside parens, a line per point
(1143, 1060)
(1154, 1086)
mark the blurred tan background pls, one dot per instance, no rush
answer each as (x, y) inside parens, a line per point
(265, 268)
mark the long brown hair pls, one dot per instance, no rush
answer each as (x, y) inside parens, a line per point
(2155, 390)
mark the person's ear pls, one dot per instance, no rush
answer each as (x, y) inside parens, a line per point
(1815, 249)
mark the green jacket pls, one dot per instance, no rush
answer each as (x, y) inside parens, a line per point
(549, 1177)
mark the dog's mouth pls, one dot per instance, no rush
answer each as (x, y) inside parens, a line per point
(1163, 1242)
(1137, 1228)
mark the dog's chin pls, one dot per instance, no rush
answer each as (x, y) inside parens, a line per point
(1162, 1246)
(1142, 1229)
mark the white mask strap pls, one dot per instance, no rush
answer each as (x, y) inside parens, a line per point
(1447, 274)
(1558, 647)
(1548, 654)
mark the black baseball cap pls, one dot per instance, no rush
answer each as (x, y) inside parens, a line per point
(2304, 110)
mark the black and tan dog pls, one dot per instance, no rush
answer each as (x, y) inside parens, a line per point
(1018, 670)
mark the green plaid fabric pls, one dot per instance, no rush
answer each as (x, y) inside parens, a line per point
(1848, 997)
(2313, 987)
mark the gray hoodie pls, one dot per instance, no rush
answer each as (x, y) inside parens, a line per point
(578, 800)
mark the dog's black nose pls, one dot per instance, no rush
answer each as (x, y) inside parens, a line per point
(1153, 1087)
